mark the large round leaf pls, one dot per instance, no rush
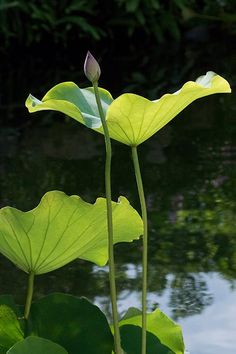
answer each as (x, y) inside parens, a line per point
(62, 228)
(131, 119)
(75, 323)
(36, 345)
(163, 335)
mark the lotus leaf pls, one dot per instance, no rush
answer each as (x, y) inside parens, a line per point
(10, 330)
(75, 323)
(163, 335)
(131, 119)
(36, 345)
(77, 103)
(62, 228)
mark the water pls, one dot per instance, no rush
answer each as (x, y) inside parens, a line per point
(189, 171)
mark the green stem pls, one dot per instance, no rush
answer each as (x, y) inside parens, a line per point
(29, 296)
(145, 244)
(109, 223)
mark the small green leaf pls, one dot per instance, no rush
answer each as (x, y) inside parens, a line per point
(131, 119)
(74, 323)
(36, 345)
(131, 312)
(10, 330)
(164, 336)
(62, 228)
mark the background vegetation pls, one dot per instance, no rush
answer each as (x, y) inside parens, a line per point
(67, 21)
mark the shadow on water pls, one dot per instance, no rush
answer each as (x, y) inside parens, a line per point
(189, 175)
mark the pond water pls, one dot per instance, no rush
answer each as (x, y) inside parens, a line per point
(189, 171)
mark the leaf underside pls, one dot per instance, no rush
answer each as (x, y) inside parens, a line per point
(62, 228)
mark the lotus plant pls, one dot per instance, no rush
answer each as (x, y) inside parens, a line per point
(60, 229)
(130, 119)
(92, 71)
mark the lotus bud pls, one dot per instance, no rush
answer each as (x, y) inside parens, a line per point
(91, 68)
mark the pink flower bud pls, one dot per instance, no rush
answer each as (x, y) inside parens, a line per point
(91, 68)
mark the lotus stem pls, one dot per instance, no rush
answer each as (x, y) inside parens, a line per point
(29, 296)
(117, 344)
(145, 244)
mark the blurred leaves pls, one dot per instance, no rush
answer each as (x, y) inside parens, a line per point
(70, 20)
(30, 22)
(10, 329)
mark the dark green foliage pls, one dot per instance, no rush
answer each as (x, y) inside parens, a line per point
(10, 330)
(68, 21)
(32, 21)
(11, 327)
(131, 341)
(70, 321)
(73, 323)
(36, 345)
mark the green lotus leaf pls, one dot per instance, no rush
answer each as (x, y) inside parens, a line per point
(77, 103)
(36, 345)
(74, 323)
(131, 118)
(62, 228)
(10, 330)
(164, 336)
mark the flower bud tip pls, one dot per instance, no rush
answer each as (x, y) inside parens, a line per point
(91, 68)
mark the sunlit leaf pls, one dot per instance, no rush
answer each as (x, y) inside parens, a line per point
(163, 335)
(36, 345)
(77, 103)
(62, 228)
(131, 118)
(10, 330)
(75, 323)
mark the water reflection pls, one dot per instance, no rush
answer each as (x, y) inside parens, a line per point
(189, 295)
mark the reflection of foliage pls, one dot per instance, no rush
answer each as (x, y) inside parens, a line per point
(47, 165)
(204, 236)
(189, 295)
